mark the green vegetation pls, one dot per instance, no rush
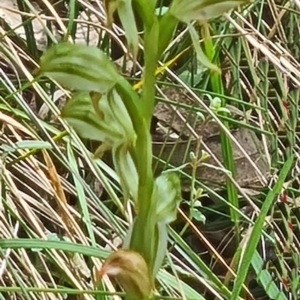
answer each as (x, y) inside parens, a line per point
(151, 141)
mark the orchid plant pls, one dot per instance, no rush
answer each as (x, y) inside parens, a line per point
(105, 107)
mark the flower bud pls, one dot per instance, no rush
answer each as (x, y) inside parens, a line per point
(131, 272)
(102, 119)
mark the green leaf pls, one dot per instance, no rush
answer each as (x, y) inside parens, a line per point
(265, 278)
(80, 114)
(127, 171)
(162, 244)
(118, 114)
(198, 215)
(128, 21)
(51, 236)
(33, 144)
(7, 148)
(106, 119)
(167, 196)
(201, 57)
(79, 67)
(256, 232)
(202, 10)
(27, 144)
(50, 245)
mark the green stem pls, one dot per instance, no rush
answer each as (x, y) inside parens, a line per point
(142, 151)
(150, 53)
(144, 237)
